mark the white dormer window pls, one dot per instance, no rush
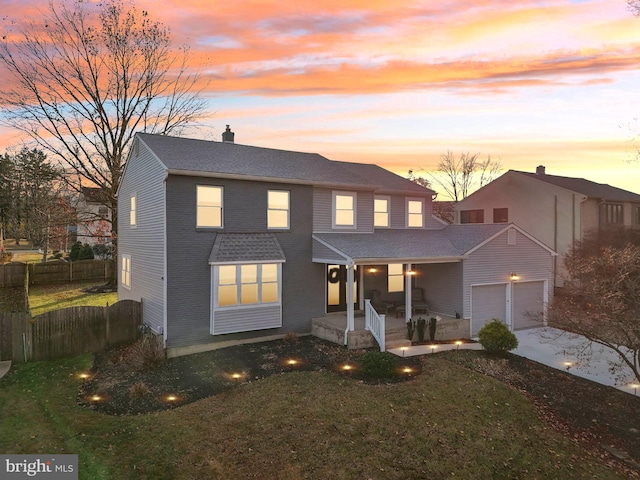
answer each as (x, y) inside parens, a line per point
(344, 209)
(415, 213)
(381, 211)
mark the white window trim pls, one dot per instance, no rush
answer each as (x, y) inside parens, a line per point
(388, 200)
(288, 210)
(221, 207)
(122, 270)
(334, 194)
(133, 210)
(239, 306)
(421, 201)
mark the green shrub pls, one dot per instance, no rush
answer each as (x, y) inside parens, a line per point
(74, 253)
(86, 252)
(421, 327)
(496, 337)
(378, 364)
(411, 327)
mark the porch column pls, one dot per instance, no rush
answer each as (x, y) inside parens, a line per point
(350, 299)
(407, 293)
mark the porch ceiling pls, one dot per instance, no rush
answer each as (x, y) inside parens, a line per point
(390, 246)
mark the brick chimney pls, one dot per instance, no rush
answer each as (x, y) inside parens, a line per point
(228, 135)
(540, 170)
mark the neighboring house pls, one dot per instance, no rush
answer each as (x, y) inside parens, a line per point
(93, 217)
(555, 210)
(232, 243)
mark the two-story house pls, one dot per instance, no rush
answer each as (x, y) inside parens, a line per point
(93, 217)
(556, 210)
(232, 243)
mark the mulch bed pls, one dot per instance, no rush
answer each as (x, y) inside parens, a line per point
(125, 390)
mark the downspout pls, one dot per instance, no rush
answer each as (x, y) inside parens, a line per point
(555, 238)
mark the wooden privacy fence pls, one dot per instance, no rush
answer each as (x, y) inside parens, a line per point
(69, 331)
(57, 271)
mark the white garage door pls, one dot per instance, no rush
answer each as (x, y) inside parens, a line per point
(487, 302)
(528, 304)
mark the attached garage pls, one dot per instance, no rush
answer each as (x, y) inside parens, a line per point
(487, 302)
(528, 304)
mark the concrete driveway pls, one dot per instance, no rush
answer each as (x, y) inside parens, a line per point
(561, 350)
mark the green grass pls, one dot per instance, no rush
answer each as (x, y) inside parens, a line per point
(447, 422)
(43, 298)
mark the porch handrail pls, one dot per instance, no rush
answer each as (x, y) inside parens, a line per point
(375, 323)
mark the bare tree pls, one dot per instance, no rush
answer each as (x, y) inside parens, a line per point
(89, 76)
(634, 6)
(458, 177)
(601, 298)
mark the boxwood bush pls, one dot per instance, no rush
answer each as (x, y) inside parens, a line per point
(495, 337)
(378, 364)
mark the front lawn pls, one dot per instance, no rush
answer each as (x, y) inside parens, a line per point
(449, 421)
(43, 298)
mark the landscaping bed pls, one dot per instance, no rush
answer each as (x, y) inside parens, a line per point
(123, 388)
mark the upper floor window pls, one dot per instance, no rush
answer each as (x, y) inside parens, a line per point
(472, 216)
(278, 209)
(248, 284)
(381, 211)
(209, 206)
(500, 215)
(415, 216)
(344, 209)
(125, 271)
(103, 211)
(132, 211)
(611, 214)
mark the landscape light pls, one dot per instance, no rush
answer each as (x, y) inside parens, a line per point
(83, 375)
(347, 367)
(407, 370)
(96, 398)
(433, 348)
(404, 349)
(458, 343)
(236, 375)
(292, 362)
(171, 398)
(635, 387)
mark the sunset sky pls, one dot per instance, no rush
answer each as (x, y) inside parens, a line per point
(398, 83)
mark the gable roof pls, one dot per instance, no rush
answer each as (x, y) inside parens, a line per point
(185, 156)
(585, 187)
(449, 243)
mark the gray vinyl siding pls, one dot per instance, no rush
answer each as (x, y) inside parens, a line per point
(398, 212)
(144, 243)
(323, 211)
(244, 210)
(442, 284)
(246, 319)
(494, 261)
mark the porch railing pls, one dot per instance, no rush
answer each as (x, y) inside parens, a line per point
(375, 323)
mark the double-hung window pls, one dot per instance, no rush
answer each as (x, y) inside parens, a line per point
(278, 209)
(415, 213)
(209, 206)
(344, 209)
(395, 277)
(132, 210)
(125, 271)
(611, 214)
(381, 211)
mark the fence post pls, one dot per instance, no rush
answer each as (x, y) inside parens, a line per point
(70, 271)
(106, 314)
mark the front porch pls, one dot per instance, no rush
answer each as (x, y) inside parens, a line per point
(333, 328)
